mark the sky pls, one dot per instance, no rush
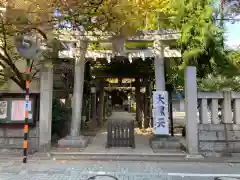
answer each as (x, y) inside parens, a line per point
(232, 34)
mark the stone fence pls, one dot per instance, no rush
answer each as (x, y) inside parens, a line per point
(218, 123)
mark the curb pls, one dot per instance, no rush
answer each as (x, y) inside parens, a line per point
(165, 157)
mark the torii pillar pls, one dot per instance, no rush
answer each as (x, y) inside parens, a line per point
(159, 66)
(160, 84)
(76, 139)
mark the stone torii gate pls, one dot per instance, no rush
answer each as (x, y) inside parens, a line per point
(161, 41)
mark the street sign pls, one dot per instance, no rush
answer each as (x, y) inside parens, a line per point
(29, 44)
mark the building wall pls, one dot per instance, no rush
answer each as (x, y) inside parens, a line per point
(178, 105)
(12, 138)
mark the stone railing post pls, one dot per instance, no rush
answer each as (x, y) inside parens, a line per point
(227, 108)
(205, 108)
(236, 107)
(203, 112)
(45, 122)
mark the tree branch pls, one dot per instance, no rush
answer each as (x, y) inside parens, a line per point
(12, 66)
(17, 81)
(31, 65)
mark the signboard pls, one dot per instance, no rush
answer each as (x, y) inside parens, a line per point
(13, 105)
(160, 113)
(18, 110)
(3, 109)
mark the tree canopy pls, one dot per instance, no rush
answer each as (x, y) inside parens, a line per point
(200, 42)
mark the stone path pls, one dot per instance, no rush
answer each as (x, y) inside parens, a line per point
(99, 142)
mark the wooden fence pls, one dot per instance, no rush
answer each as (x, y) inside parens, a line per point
(120, 134)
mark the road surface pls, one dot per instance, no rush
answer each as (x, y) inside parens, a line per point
(82, 170)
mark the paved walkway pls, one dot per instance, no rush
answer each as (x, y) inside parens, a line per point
(99, 142)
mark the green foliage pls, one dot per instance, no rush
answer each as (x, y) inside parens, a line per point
(138, 45)
(235, 57)
(201, 42)
(60, 118)
(59, 111)
(99, 46)
(219, 83)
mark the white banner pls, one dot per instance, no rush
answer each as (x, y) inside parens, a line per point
(160, 113)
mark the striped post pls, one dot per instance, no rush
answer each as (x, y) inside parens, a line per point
(25, 141)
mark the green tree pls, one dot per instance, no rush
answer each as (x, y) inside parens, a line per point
(117, 17)
(200, 41)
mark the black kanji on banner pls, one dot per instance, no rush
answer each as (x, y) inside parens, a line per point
(161, 109)
(161, 99)
(160, 123)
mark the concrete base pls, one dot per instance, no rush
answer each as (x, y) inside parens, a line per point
(165, 142)
(194, 156)
(45, 147)
(73, 141)
(183, 145)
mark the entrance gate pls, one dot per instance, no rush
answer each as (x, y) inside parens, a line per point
(120, 134)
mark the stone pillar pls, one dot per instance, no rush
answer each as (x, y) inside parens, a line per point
(129, 103)
(191, 111)
(93, 103)
(101, 103)
(76, 139)
(77, 97)
(146, 107)
(138, 100)
(45, 122)
(159, 66)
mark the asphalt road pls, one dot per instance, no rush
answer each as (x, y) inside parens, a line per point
(83, 170)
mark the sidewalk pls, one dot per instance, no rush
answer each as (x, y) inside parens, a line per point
(99, 141)
(97, 147)
(143, 152)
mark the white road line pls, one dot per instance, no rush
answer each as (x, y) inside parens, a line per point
(203, 175)
(164, 174)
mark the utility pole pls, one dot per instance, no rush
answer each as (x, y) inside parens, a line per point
(222, 3)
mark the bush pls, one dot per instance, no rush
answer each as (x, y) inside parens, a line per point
(60, 116)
